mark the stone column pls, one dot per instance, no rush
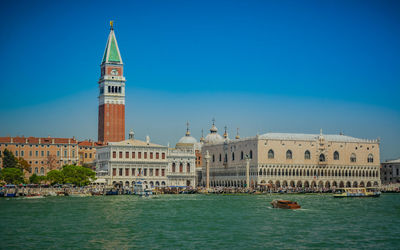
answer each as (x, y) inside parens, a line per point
(207, 157)
(247, 172)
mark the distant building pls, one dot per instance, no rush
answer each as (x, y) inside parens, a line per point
(87, 153)
(111, 123)
(390, 171)
(291, 160)
(43, 154)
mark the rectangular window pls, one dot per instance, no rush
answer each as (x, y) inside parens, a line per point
(16, 153)
(163, 156)
(65, 153)
(48, 153)
(127, 155)
(22, 153)
(58, 153)
(140, 172)
(133, 155)
(90, 155)
(145, 172)
(157, 155)
(151, 155)
(114, 154)
(37, 153)
(140, 155)
(126, 171)
(114, 171)
(85, 155)
(133, 171)
(73, 153)
(157, 172)
(30, 153)
(120, 171)
(162, 172)
(42, 153)
(151, 172)
(145, 155)
(120, 155)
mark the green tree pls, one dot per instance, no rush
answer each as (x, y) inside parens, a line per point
(23, 165)
(78, 175)
(9, 160)
(55, 176)
(34, 179)
(12, 175)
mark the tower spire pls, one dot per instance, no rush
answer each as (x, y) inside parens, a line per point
(226, 133)
(187, 129)
(237, 134)
(111, 24)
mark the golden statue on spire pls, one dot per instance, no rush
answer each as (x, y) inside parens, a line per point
(111, 24)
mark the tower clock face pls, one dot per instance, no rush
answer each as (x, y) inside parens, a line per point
(114, 72)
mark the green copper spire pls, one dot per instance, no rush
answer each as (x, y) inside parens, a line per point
(111, 54)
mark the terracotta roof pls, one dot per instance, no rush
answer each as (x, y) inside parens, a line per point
(35, 140)
(90, 143)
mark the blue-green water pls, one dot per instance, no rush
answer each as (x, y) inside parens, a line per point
(200, 221)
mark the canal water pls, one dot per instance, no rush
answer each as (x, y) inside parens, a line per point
(200, 222)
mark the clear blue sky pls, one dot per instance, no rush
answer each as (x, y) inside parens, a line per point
(263, 66)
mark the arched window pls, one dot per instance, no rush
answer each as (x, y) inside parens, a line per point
(109, 89)
(307, 155)
(220, 157)
(42, 171)
(173, 167)
(241, 155)
(271, 154)
(321, 157)
(233, 156)
(119, 89)
(213, 158)
(226, 158)
(370, 158)
(251, 154)
(336, 155)
(112, 89)
(188, 168)
(180, 168)
(353, 158)
(289, 155)
(36, 170)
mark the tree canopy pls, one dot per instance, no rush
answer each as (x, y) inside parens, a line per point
(12, 175)
(9, 160)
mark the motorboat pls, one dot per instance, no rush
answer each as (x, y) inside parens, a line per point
(356, 192)
(142, 189)
(285, 204)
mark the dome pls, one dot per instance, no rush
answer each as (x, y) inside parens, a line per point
(187, 139)
(214, 138)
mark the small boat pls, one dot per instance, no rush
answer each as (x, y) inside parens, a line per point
(356, 192)
(285, 204)
(142, 189)
(34, 196)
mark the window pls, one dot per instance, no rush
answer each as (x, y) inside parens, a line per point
(145, 172)
(85, 155)
(370, 158)
(271, 154)
(58, 154)
(163, 156)
(42, 153)
(336, 155)
(151, 155)
(233, 156)
(90, 155)
(140, 155)
(220, 157)
(120, 171)
(353, 158)
(188, 168)
(157, 172)
(133, 171)
(30, 153)
(22, 153)
(151, 172)
(241, 155)
(65, 153)
(114, 154)
(73, 153)
(37, 153)
(307, 155)
(180, 168)
(41, 171)
(133, 155)
(36, 171)
(162, 172)
(145, 155)
(48, 153)
(213, 158)
(120, 154)
(322, 157)
(251, 154)
(157, 155)
(173, 167)
(126, 171)
(16, 153)
(289, 155)
(127, 155)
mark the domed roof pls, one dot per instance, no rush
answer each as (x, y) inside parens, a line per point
(213, 136)
(187, 139)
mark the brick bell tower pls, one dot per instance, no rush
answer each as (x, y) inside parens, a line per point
(112, 93)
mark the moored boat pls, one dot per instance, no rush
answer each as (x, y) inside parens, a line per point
(356, 192)
(285, 204)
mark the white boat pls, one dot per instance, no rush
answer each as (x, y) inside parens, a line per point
(142, 189)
